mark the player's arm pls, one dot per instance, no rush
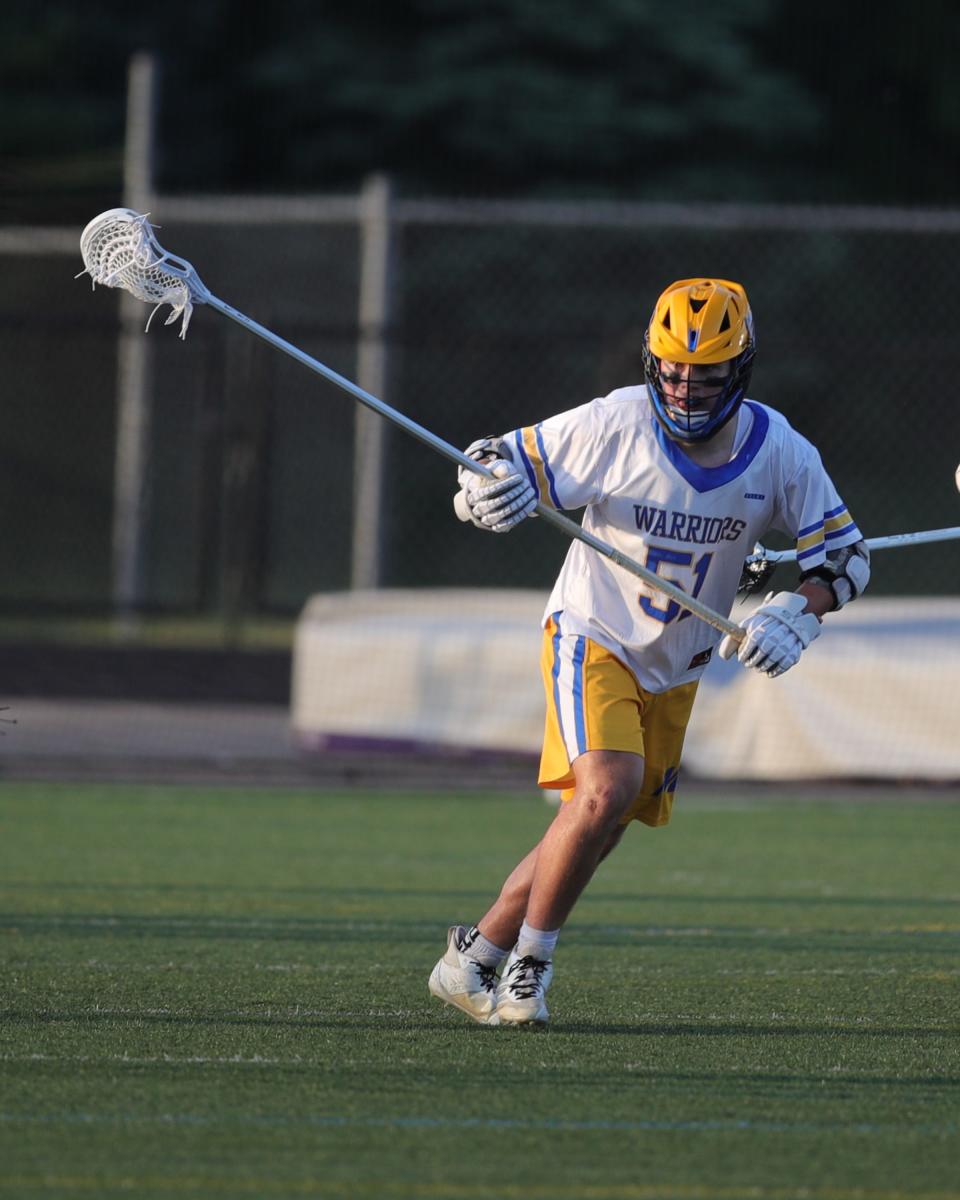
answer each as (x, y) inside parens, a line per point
(558, 462)
(843, 575)
(786, 623)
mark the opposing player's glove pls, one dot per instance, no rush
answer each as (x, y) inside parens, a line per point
(776, 634)
(496, 505)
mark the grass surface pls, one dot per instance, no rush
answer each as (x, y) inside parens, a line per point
(223, 993)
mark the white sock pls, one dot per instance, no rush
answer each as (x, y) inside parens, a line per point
(474, 944)
(538, 943)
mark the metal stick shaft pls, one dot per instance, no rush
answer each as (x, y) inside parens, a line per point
(551, 516)
(891, 542)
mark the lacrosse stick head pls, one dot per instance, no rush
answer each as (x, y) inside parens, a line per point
(119, 250)
(756, 571)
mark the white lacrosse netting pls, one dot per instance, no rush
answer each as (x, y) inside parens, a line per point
(119, 250)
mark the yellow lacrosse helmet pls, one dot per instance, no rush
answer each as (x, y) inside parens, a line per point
(700, 321)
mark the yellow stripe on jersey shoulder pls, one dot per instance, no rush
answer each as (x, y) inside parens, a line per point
(810, 540)
(532, 451)
(837, 522)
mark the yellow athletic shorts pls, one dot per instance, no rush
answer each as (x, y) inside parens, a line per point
(595, 703)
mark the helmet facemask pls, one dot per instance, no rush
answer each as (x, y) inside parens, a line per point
(704, 323)
(697, 422)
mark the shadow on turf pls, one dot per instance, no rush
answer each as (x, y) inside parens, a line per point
(735, 1029)
(444, 895)
(375, 1023)
(322, 929)
(213, 889)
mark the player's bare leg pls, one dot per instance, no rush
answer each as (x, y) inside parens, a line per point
(547, 882)
(501, 924)
(541, 891)
(607, 784)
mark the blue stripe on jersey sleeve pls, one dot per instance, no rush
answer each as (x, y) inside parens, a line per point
(844, 531)
(850, 534)
(525, 461)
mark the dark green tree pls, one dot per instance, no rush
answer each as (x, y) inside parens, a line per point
(749, 100)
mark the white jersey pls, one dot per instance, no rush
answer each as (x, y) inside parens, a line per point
(693, 525)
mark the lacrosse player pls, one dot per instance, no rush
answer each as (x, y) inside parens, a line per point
(684, 474)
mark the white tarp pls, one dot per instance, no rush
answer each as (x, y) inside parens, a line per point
(874, 697)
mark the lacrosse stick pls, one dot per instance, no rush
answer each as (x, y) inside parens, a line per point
(759, 566)
(120, 251)
(894, 540)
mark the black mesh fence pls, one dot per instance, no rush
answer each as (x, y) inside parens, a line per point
(502, 328)
(250, 474)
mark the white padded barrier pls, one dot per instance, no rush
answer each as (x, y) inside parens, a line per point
(447, 668)
(876, 696)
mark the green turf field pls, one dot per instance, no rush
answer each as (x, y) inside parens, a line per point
(223, 993)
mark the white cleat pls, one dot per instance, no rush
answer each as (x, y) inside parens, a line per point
(465, 983)
(521, 996)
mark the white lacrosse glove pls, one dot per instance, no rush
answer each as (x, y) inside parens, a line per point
(776, 634)
(496, 505)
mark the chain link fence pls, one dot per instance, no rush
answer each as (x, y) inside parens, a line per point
(499, 315)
